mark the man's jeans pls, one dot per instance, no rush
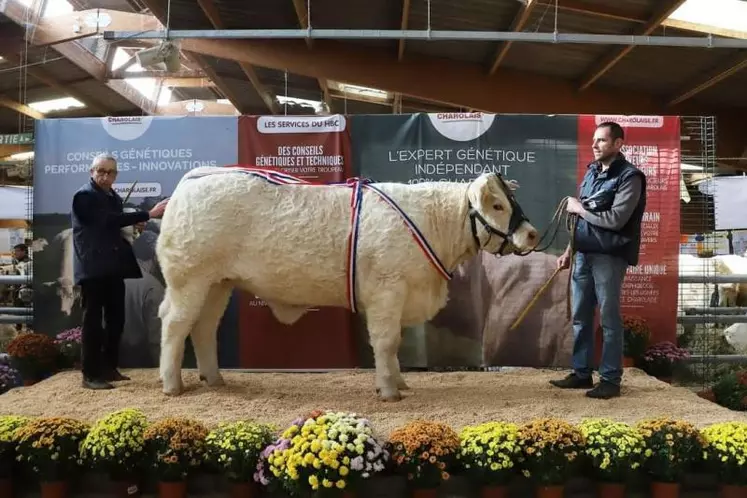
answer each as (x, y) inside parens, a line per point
(597, 279)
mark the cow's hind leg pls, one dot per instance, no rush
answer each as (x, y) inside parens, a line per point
(384, 327)
(205, 333)
(179, 315)
(401, 384)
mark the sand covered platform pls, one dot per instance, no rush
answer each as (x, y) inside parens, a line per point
(456, 398)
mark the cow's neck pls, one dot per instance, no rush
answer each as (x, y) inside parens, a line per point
(451, 237)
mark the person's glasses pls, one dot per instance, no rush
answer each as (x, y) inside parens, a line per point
(105, 172)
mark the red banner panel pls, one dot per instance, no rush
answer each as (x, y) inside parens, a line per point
(317, 149)
(652, 143)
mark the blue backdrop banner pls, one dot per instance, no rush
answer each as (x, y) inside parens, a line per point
(152, 151)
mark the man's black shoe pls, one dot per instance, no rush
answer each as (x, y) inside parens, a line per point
(573, 381)
(115, 376)
(96, 384)
(605, 390)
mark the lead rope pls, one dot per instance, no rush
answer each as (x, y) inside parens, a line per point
(570, 221)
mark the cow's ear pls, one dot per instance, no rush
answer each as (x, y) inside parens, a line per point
(482, 191)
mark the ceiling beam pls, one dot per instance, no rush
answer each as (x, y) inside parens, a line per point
(520, 20)
(608, 61)
(616, 14)
(157, 9)
(211, 12)
(303, 20)
(40, 74)
(85, 23)
(441, 80)
(455, 83)
(19, 107)
(733, 66)
(705, 28)
(81, 57)
(172, 82)
(591, 9)
(119, 74)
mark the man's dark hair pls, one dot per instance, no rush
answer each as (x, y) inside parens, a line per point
(616, 130)
(21, 246)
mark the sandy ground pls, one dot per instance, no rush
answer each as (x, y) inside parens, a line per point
(455, 398)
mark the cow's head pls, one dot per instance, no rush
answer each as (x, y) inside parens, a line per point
(498, 223)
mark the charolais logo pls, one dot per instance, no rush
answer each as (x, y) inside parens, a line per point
(126, 127)
(461, 126)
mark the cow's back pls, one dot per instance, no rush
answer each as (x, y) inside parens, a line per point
(289, 243)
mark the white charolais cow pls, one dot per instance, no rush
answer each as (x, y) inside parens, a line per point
(288, 245)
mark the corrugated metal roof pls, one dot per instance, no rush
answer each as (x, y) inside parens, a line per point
(731, 92)
(663, 70)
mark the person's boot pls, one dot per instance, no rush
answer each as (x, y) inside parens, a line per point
(115, 376)
(96, 384)
(604, 390)
(573, 381)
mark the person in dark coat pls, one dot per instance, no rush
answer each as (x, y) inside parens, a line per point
(102, 260)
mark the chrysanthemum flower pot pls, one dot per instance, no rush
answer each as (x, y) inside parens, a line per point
(493, 491)
(6, 487)
(177, 489)
(53, 489)
(550, 491)
(244, 490)
(665, 490)
(611, 490)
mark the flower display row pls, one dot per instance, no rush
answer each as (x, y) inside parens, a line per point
(327, 453)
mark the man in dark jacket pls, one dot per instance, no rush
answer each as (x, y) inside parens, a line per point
(606, 241)
(102, 260)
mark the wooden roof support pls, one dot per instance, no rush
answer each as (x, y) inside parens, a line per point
(589, 8)
(616, 14)
(606, 63)
(184, 74)
(732, 67)
(211, 12)
(303, 20)
(156, 7)
(85, 23)
(460, 84)
(40, 74)
(20, 108)
(78, 55)
(520, 20)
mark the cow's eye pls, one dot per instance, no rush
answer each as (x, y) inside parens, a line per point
(498, 207)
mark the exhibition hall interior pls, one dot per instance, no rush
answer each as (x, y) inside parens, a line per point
(401, 248)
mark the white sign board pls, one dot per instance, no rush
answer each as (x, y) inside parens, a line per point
(730, 202)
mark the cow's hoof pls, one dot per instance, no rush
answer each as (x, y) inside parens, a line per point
(215, 381)
(402, 385)
(389, 395)
(173, 390)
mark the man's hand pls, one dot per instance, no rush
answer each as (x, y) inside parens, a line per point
(158, 209)
(574, 206)
(564, 261)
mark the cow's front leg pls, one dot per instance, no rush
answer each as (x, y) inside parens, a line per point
(385, 332)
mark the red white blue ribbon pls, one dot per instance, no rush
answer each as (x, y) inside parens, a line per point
(356, 201)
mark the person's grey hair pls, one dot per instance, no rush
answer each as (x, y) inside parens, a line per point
(104, 156)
